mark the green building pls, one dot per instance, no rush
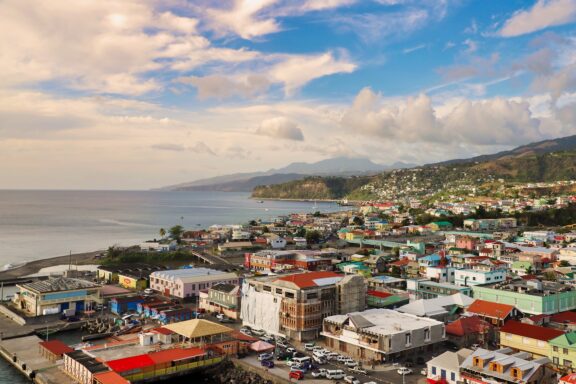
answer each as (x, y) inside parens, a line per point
(531, 297)
(563, 352)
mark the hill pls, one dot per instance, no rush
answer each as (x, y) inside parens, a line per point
(546, 161)
(245, 182)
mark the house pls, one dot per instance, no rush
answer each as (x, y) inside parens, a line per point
(445, 368)
(478, 276)
(185, 283)
(53, 350)
(426, 289)
(439, 308)
(222, 298)
(436, 226)
(527, 337)
(563, 352)
(384, 282)
(504, 366)
(470, 330)
(277, 242)
(379, 335)
(563, 320)
(381, 299)
(495, 313)
(54, 295)
(158, 246)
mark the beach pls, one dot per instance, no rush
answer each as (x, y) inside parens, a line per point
(36, 265)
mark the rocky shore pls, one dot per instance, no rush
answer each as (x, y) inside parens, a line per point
(228, 373)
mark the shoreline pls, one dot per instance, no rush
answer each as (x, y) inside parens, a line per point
(35, 266)
(351, 202)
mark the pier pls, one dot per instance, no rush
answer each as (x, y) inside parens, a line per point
(24, 354)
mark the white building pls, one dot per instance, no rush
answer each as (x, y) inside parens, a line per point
(542, 236)
(189, 282)
(277, 242)
(440, 274)
(470, 277)
(447, 366)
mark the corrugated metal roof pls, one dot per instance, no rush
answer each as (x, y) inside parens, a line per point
(175, 354)
(130, 363)
(59, 284)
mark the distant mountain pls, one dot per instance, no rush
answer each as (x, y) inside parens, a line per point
(537, 148)
(245, 182)
(545, 161)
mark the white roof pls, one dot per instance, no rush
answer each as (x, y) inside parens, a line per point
(385, 321)
(436, 306)
(193, 274)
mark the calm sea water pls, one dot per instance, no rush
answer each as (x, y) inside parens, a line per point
(40, 224)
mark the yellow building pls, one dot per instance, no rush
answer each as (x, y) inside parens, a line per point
(528, 338)
(563, 352)
(133, 282)
(354, 235)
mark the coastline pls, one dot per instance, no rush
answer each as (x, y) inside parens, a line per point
(36, 265)
(351, 202)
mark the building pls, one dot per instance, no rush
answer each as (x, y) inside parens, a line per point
(562, 352)
(477, 276)
(275, 261)
(490, 224)
(294, 305)
(46, 297)
(121, 305)
(539, 236)
(530, 296)
(440, 308)
(426, 289)
(504, 366)
(527, 337)
(384, 282)
(82, 367)
(381, 299)
(470, 330)
(436, 226)
(222, 298)
(53, 350)
(379, 335)
(495, 313)
(111, 273)
(186, 283)
(445, 368)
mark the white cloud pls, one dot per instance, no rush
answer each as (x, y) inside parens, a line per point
(244, 19)
(544, 14)
(318, 5)
(280, 127)
(222, 87)
(413, 49)
(169, 147)
(296, 71)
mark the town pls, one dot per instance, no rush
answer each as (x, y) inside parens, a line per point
(415, 291)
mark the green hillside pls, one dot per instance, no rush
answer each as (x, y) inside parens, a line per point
(312, 188)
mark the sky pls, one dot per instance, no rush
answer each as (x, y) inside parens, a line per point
(136, 94)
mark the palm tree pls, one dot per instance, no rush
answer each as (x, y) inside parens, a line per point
(162, 232)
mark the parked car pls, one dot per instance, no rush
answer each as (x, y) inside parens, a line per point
(342, 359)
(267, 363)
(246, 331)
(335, 374)
(319, 360)
(258, 332)
(148, 291)
(404, 371)
(332, 356)
(318, 353)
(290, 350)
(319, 373)
(265, 356)
(267, 339)
(282, 344)
(220, 316)
(424, 372)
(475, 346)
(298, 375)
(292, 363)
(226, 320)
(309, 346)
(283, 356)
(357, 369)
(351, 380)
(351, 363)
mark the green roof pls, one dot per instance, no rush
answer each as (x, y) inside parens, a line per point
(442, 223)
(521, 264)
(566, 340)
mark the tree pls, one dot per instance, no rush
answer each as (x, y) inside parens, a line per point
(300, 232)
(395, 271)
(176, 232)
(253, 223)
(162, 232)
(358, 221)
(564, 263)
(317, 214)
(313, 237)
(529, 270)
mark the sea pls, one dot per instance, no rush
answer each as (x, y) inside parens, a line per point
(41, 224)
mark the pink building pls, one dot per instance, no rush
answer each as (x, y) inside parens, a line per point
(189, 282)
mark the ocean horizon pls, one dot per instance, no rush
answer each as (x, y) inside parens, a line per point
(37, 224)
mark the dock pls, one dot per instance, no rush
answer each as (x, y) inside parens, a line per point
(24, 354)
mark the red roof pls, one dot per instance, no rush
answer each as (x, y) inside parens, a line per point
(467, 325)
(130, 363)
(56, 347)
(163, 331)
(569, 379)
(531, 331)
(176, 354)
(401, 262)
(379, 294)
(242, 337)
(568, 317)
(110, 377)
(490, 309)
(306, 280)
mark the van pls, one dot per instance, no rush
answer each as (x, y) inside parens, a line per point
(335, 374)
(302, 360)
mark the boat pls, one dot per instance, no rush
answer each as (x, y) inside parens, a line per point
(261, 201)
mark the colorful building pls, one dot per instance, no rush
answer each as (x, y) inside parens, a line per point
(186, 283)
(562, 352)
(527, 337)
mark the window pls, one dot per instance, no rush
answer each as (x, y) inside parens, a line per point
(452, 376)
(289, 295)
(278, 291)
(427, 334)
(555, 360)
(408, 339)
(313, 295)
(565, 351)
(567, 363)
(267, 288)
(555, 349)
(433, 370)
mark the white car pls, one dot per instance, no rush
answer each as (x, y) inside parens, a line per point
(351, 380)
(309, 346)
(281, 344)
(332, 356)
(319, 373)
(292, 363)
(259, 332)
(351, 363)
(266, 356)
(342, 359)
(404, 371)
(357, 369)
(290, 350)
(424, 372)
(319, 360)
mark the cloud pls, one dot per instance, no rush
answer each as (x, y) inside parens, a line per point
(318, 5)
(471, 45)
(413, 49)
(489, 122)
(244, 19)
(544, 14)
(169, 147)
(202, 148)
(222, 87)
(296, 71)
(280, 127)
(476, 66)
